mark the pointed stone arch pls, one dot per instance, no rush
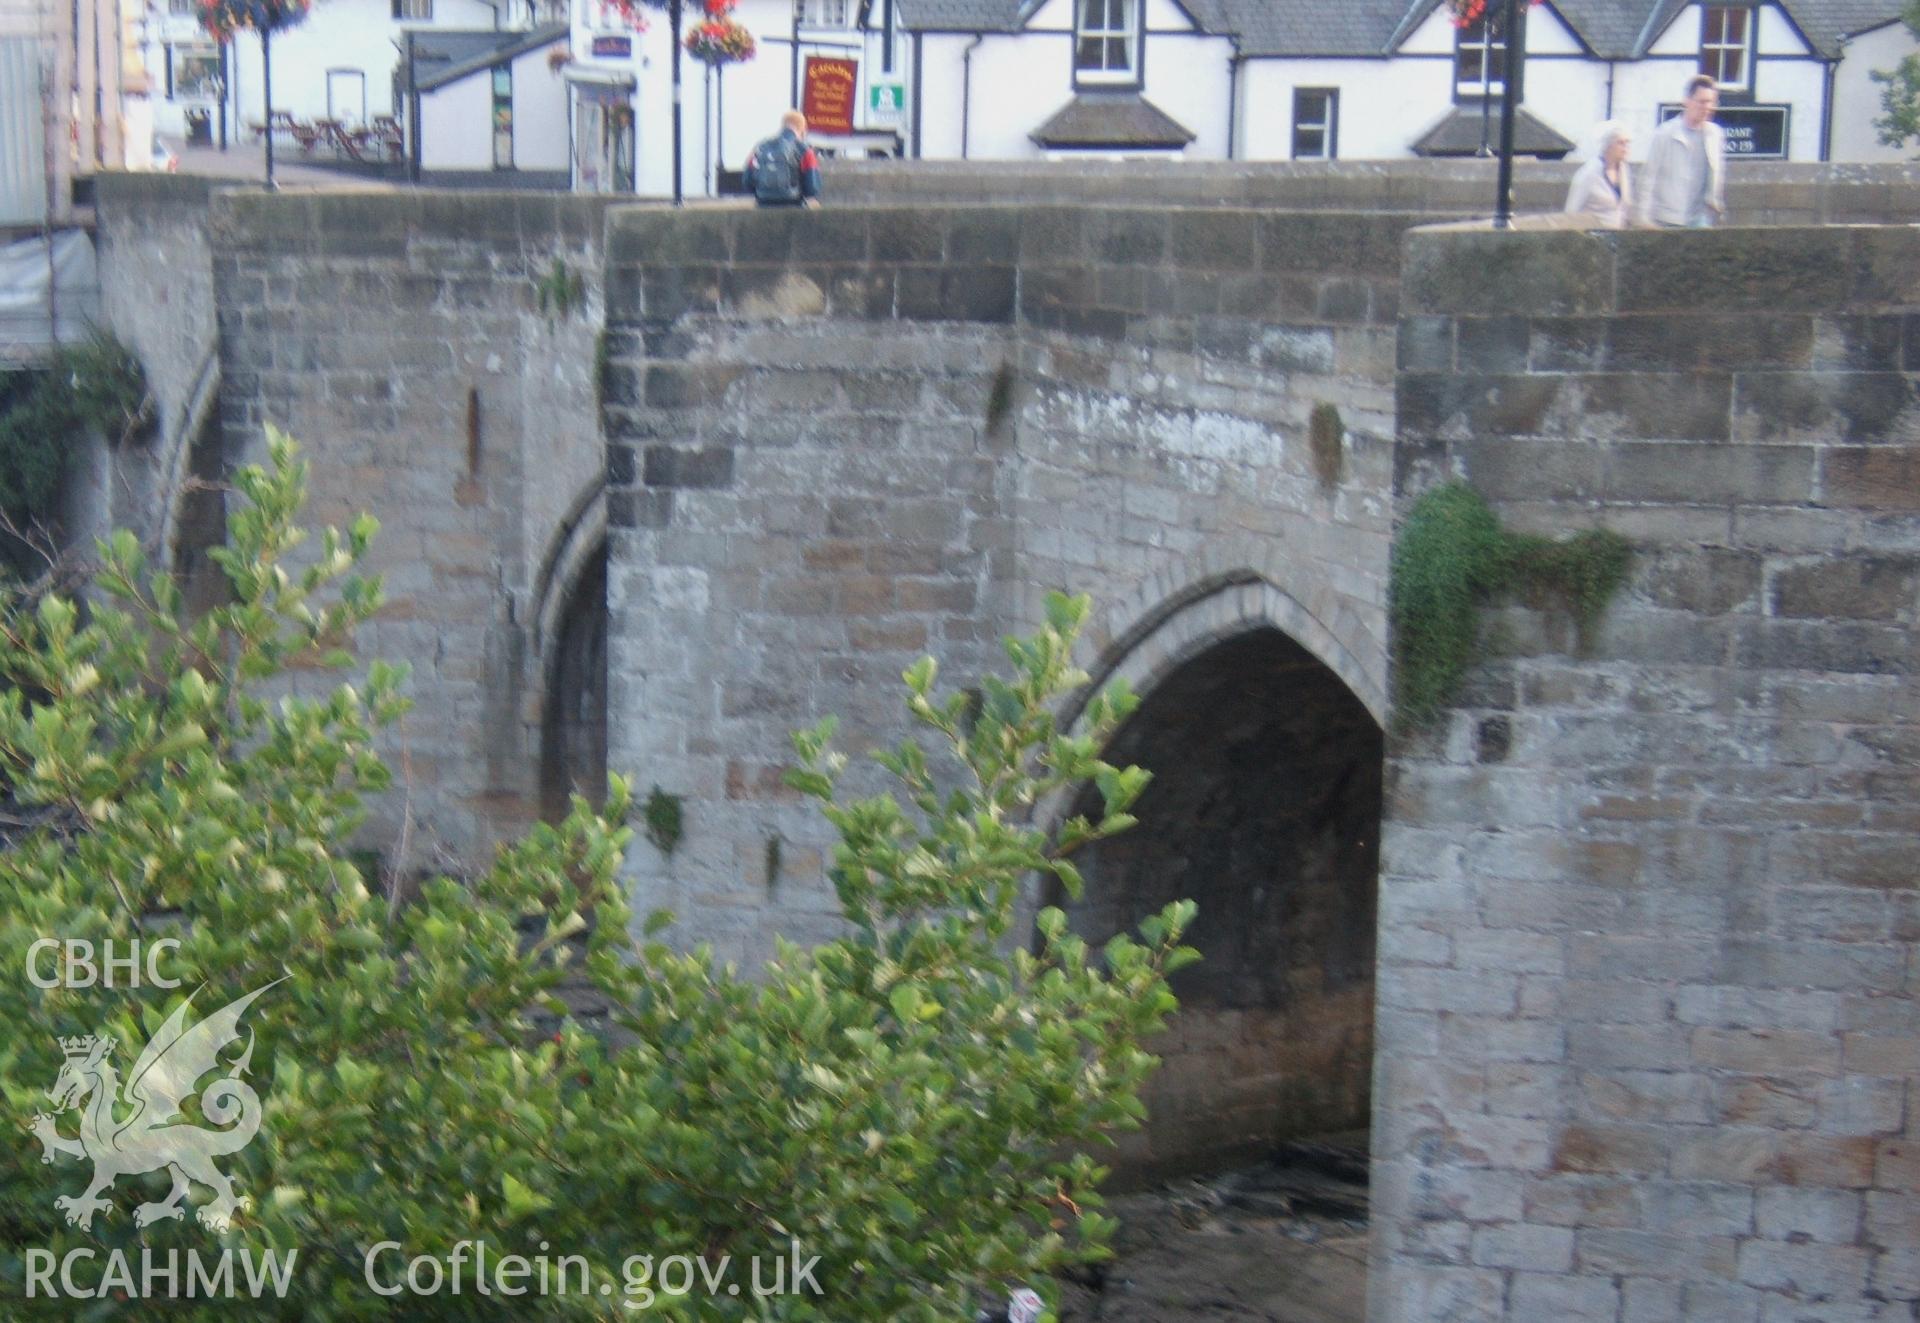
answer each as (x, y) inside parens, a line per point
(570, 656)
(1263, 723)
(1152, 631)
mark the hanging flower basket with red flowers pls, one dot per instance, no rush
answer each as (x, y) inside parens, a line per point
(628, 12)
(223, 18)
(1468, 12)
(720, 41)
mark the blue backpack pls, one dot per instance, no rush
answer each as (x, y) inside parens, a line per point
(776, 169)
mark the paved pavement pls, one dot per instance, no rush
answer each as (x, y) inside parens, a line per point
(247, 162)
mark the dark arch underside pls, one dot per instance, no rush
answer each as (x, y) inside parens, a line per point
(1264, 808)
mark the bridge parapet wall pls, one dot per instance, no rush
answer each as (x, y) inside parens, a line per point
(1758, 192)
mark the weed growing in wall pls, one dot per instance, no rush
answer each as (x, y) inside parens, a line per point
(560, 290)
(1325, 434)
(664, 820)
(1451, 556)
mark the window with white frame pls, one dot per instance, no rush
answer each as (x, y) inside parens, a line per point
(418, 11)
(181, 8)
(1315, 116)
(1105, 40)
(196, 73)
(825, 13)
(1726, 44)
(1479, 59)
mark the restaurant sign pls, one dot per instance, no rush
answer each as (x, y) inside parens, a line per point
(831, 87)
(1756, 133)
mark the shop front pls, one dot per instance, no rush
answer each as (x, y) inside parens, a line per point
(604, 142)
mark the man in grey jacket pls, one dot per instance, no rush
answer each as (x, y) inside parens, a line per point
(1684, 182)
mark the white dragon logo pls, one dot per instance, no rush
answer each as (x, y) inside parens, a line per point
(153, 1136)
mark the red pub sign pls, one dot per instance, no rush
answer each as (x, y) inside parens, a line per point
(828, 99)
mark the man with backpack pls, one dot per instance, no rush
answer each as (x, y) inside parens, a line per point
(783, 171)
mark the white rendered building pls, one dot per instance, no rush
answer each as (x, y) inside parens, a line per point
(1286, 79)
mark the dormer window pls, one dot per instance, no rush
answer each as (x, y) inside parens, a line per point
(1726, 45)
(1479, 61)
(1106, 38)
(825, 13)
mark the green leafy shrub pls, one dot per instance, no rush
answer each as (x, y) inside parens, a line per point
(36, 424)
(96, 383)
(909, 1104)
(1452, 555)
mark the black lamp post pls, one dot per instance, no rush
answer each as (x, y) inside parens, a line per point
(266, 85)
(673, 12)
(1503, 205)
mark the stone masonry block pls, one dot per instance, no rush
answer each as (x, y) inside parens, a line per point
(1365, 245)
(671, 466)
(1546, 1295)
(1810, 1270)
(1551, 273)
(1214, 240)
(1825, 406)
(1690, 342)
(983, 234)
(1493, 344)
(1532, 1249)
(1877, 478)
(1709, 474)
(1667, 1254)
(1832, 1217)
(908, 236)
(1762, 270)
(1858, 588)
(1132, 237)
(1425, 344)
(835, 236)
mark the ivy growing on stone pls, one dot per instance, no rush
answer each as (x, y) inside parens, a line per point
(96, 384)
(665, 820)
(560, 290)
(1453, 555)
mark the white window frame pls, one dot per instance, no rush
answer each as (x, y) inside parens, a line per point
(413, 11)
(1479, 36)
(1328, 127)
(207, 57)
(181, 9)
(1713, 53)
(825, 15)
(1128, 33)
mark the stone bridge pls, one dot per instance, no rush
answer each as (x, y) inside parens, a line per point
(1618, 960)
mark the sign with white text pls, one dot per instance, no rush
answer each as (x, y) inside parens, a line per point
(1754, 133)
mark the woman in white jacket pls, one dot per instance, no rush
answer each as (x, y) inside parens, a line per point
(1601, 193)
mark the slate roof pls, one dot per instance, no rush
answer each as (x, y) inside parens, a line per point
(1111, 119)
(504, 47)
(1611, 29)
(1458, 134)
(959, 15)
(435, 50)
(1305, 27)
